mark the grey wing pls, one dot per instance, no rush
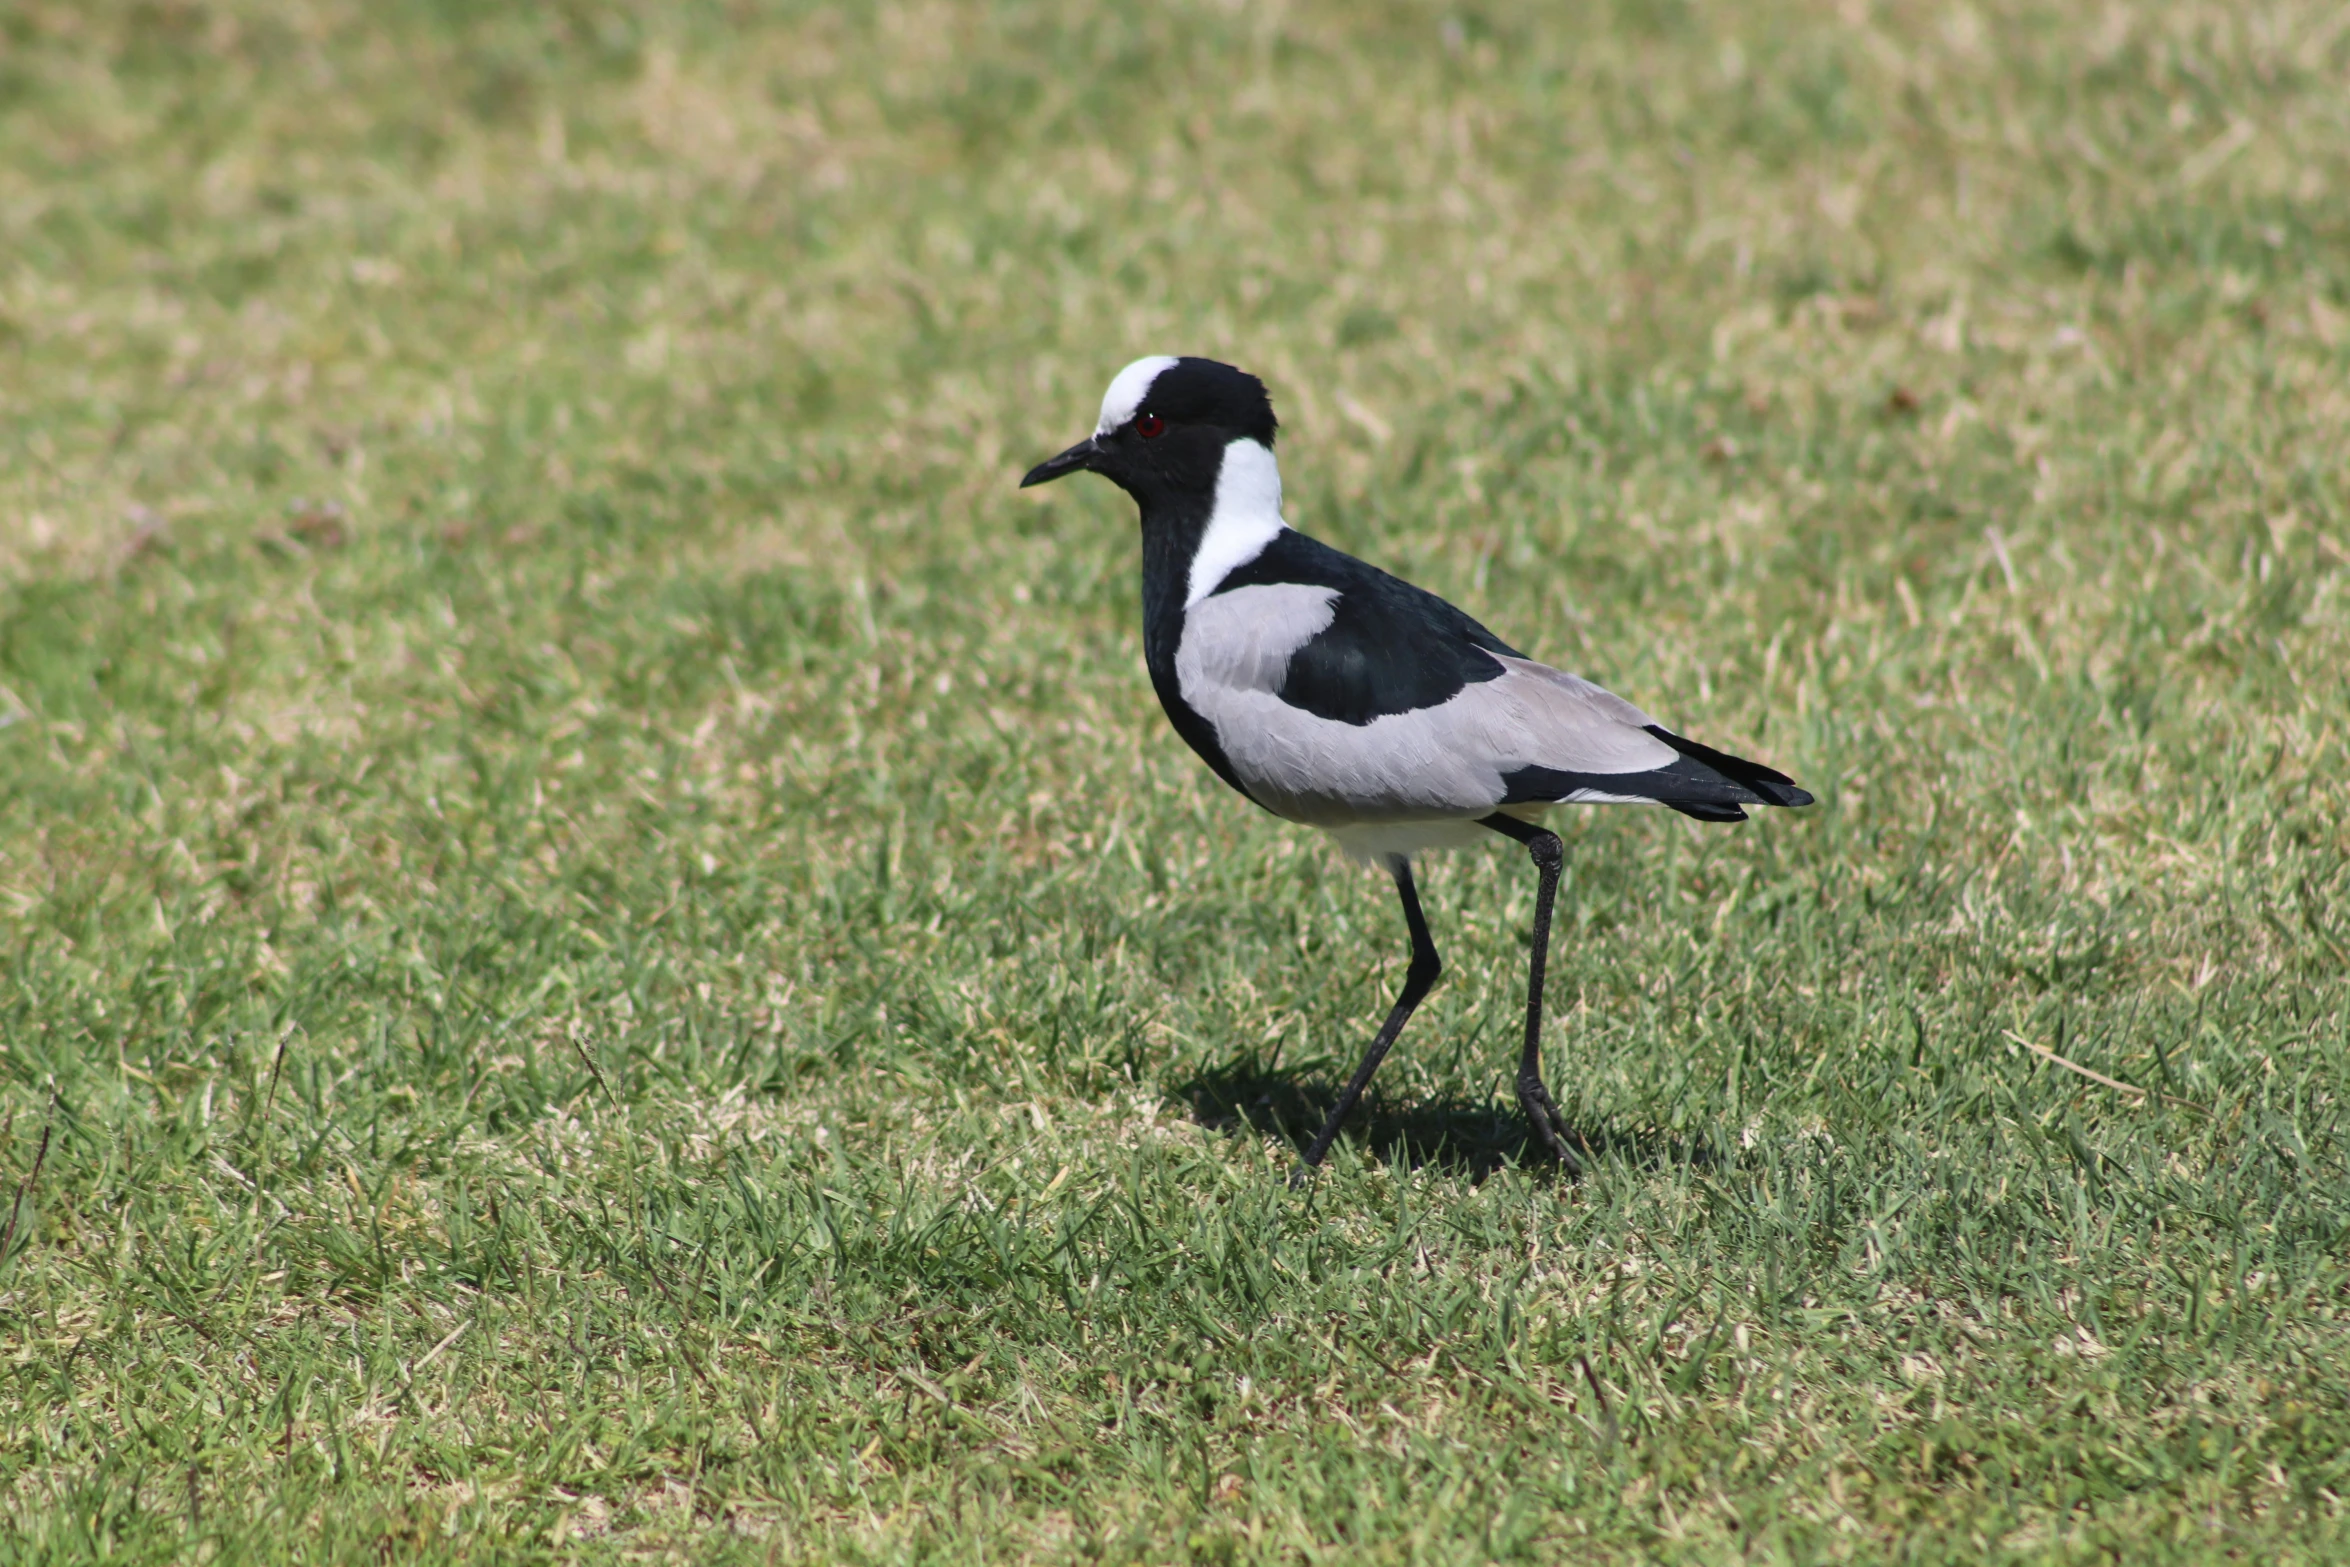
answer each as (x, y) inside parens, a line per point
(1465, 757)
(1530, 735)
(1600, 762)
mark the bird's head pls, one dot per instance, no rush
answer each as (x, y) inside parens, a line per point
(1164, 427)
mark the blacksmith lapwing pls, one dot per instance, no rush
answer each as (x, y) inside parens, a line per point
(1333, 694)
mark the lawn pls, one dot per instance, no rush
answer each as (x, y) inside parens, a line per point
(604, 953)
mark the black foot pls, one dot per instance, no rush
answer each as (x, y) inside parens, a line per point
(1547, 1125)
(1301, 1177)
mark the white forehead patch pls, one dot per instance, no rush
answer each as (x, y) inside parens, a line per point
(1129, 388)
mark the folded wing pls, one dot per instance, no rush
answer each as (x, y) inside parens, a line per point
(1341, 695)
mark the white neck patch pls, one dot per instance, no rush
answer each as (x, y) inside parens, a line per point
(1247, 517)
(1127, 390)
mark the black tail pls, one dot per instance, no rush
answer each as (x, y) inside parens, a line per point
(1767, 785)
(1702, 782)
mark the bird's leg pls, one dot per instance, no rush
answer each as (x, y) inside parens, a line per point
(1417, 981)
(1542, 1116)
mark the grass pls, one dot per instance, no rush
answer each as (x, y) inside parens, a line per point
(603, 952)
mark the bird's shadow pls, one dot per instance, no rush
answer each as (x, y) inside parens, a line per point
(1452, 1133)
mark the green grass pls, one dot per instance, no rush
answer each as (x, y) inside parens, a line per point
(612, 958)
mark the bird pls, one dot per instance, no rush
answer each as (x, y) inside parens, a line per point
(1335, 695)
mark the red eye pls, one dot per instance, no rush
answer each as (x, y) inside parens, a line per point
(1150, 426)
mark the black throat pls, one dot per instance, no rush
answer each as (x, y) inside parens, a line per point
(1171, 534)
(1176, 503)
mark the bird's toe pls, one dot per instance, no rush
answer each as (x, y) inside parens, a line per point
(1547, 1125)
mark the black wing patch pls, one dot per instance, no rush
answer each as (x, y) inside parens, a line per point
(1389, 647)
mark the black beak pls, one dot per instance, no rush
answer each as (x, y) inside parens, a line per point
(1076, 457)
